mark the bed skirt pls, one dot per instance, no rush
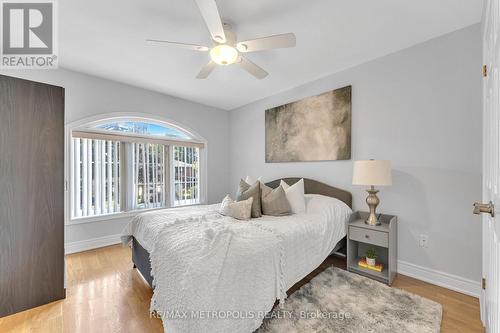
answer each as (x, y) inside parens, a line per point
(140, 258)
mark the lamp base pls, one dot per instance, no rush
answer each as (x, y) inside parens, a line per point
(372, 200)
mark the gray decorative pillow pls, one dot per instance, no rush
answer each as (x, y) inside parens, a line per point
(246, 191)
(241, 210)
(274, 201)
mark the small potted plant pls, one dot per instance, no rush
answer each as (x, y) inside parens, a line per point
(371, 255)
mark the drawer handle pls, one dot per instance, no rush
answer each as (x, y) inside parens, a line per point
(367, 236)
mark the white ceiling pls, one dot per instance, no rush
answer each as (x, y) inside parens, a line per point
(106, 38)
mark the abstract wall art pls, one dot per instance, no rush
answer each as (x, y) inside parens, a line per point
(316, 128)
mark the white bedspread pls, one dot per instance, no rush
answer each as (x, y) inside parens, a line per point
(209, 269)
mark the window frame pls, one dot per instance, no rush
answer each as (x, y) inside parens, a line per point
(90, 122)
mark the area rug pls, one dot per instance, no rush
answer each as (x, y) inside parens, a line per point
(339, 301)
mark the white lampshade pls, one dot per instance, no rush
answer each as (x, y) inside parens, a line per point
(372, 172)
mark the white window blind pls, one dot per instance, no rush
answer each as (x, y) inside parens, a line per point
(186, 163)
(149, 175)
(131, 164)
(96, 172)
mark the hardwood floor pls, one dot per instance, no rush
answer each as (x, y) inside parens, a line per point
(105, 294)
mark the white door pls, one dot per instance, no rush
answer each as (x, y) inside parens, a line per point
(490, 296)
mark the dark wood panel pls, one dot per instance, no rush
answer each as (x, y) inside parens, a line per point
(31, 194)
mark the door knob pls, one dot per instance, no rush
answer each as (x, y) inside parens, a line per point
(484, 208)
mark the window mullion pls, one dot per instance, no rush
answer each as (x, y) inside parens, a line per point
(164, 176)
(153, 172)
(136, 179)
(77, 180)
(144, 175)
(124, 175)
(102, 170)
(198, 180)
(109, 178)
(97, 176)
(115, 177)
(84, 177)
(172, 176)
(89, 177)
(184, 176)
(157, 179)
(157, 147)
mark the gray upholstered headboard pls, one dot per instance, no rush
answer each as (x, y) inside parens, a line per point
(315, 187)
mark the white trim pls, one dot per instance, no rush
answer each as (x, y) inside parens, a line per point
(90, 244)
(442, 279)
(117, 116)
(93, 134)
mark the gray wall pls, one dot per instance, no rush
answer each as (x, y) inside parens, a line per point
(88, 96)
(419, 108)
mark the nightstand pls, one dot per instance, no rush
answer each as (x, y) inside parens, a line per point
(383, 238)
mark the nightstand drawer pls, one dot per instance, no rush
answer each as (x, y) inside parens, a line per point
(369, 236)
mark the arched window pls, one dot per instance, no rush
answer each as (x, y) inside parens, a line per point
(123, 164)
(144, 128)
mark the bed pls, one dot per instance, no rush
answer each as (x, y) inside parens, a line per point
(289, 249)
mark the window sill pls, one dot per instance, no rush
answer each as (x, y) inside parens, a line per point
(120, 215)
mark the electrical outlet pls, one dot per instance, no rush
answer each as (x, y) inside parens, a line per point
(424, 241)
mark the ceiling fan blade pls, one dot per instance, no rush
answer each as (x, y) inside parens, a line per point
(206, 70)
(267, 43)
(176, 44)
(252, 68)
(212, 18)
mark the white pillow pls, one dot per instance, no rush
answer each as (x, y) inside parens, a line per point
(317, 203)
(250, 181)
(295, 196)
(241, 210)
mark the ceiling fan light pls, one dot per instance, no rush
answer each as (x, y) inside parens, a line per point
(224, 54)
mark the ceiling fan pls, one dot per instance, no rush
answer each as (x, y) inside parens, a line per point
(226, 50)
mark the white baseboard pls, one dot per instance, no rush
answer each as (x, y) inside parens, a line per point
(442, 279)
(92, 243)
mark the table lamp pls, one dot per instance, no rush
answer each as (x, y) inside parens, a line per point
(372, 173)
